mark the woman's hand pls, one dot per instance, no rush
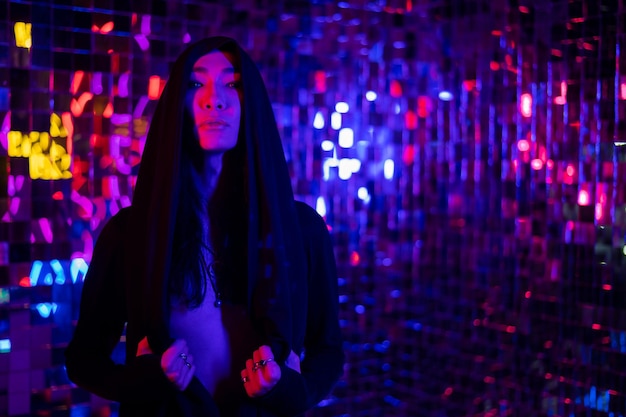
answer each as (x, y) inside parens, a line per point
(176, 362)
(262, 373)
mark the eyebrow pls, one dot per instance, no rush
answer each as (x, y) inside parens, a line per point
(203, 70)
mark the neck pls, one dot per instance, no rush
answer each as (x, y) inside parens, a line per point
(211, 173)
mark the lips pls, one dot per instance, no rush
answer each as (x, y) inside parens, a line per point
(213, 124)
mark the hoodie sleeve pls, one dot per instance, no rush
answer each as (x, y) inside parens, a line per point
(100, 325)
(322, 365)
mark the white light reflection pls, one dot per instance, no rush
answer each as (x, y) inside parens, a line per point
(371, 96)
(342, 107)
(345, 169)
(335, 121)
(355, 165)
(388, 169)
(364, 195)
(346, 137)
(318, 121)
(445, 95)
(320, 206)
(327, 145)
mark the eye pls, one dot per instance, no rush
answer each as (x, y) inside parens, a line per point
(234, 84)
(194, 84)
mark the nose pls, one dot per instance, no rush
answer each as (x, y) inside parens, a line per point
(211, 99)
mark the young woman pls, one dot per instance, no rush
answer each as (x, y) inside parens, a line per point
(226, 286)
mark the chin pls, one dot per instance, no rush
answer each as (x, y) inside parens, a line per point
(216, 146)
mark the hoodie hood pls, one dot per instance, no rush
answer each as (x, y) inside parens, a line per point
(275, 250)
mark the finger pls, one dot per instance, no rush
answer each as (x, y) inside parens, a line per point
(256, 355)
(271, 370)
(271, 374)
(252, 385)
(187, 378)
(172, 359)
(179, 346)
(265, 352)
(185, 362)
(244, 377)
(249, 366)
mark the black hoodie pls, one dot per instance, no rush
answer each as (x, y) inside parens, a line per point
(293, 308)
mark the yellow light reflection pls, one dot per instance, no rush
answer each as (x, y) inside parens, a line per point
(23, 37)
(47, 159)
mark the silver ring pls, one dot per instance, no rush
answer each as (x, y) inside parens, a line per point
(183, 357)
(261, 363)
(187, 364)
(264, 362)
(244, 379)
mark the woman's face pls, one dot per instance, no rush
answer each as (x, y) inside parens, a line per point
(214, 101)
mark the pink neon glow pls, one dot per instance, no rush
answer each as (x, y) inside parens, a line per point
(122, 85)
(154, 85)
(570, 171)
(523, 145)
(68, 124)
(76, 80)
(320, 81)
(536, 164)
(583, 198)
(526, 105)
(100, 211)
(423, 106)
(355, 258)
(563, 89)
(145, 24)
(108, 111)
(559, 100)
(113, 207)
(96, 83)
(77, 106)
(395, 89)
(408, 156)
(14, 205)
(142, 41)
(410, 120)
(140, 107)
(599, 212)
(11, 186)
(469, 85)
(86, 237)
(119, 118)
(107, 27)
(84, 203)
(46, 230)
(622, 89)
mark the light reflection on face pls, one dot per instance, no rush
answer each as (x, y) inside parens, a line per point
(214, 101)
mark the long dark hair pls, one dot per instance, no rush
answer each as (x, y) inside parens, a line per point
(254, 224)
(190, 274)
